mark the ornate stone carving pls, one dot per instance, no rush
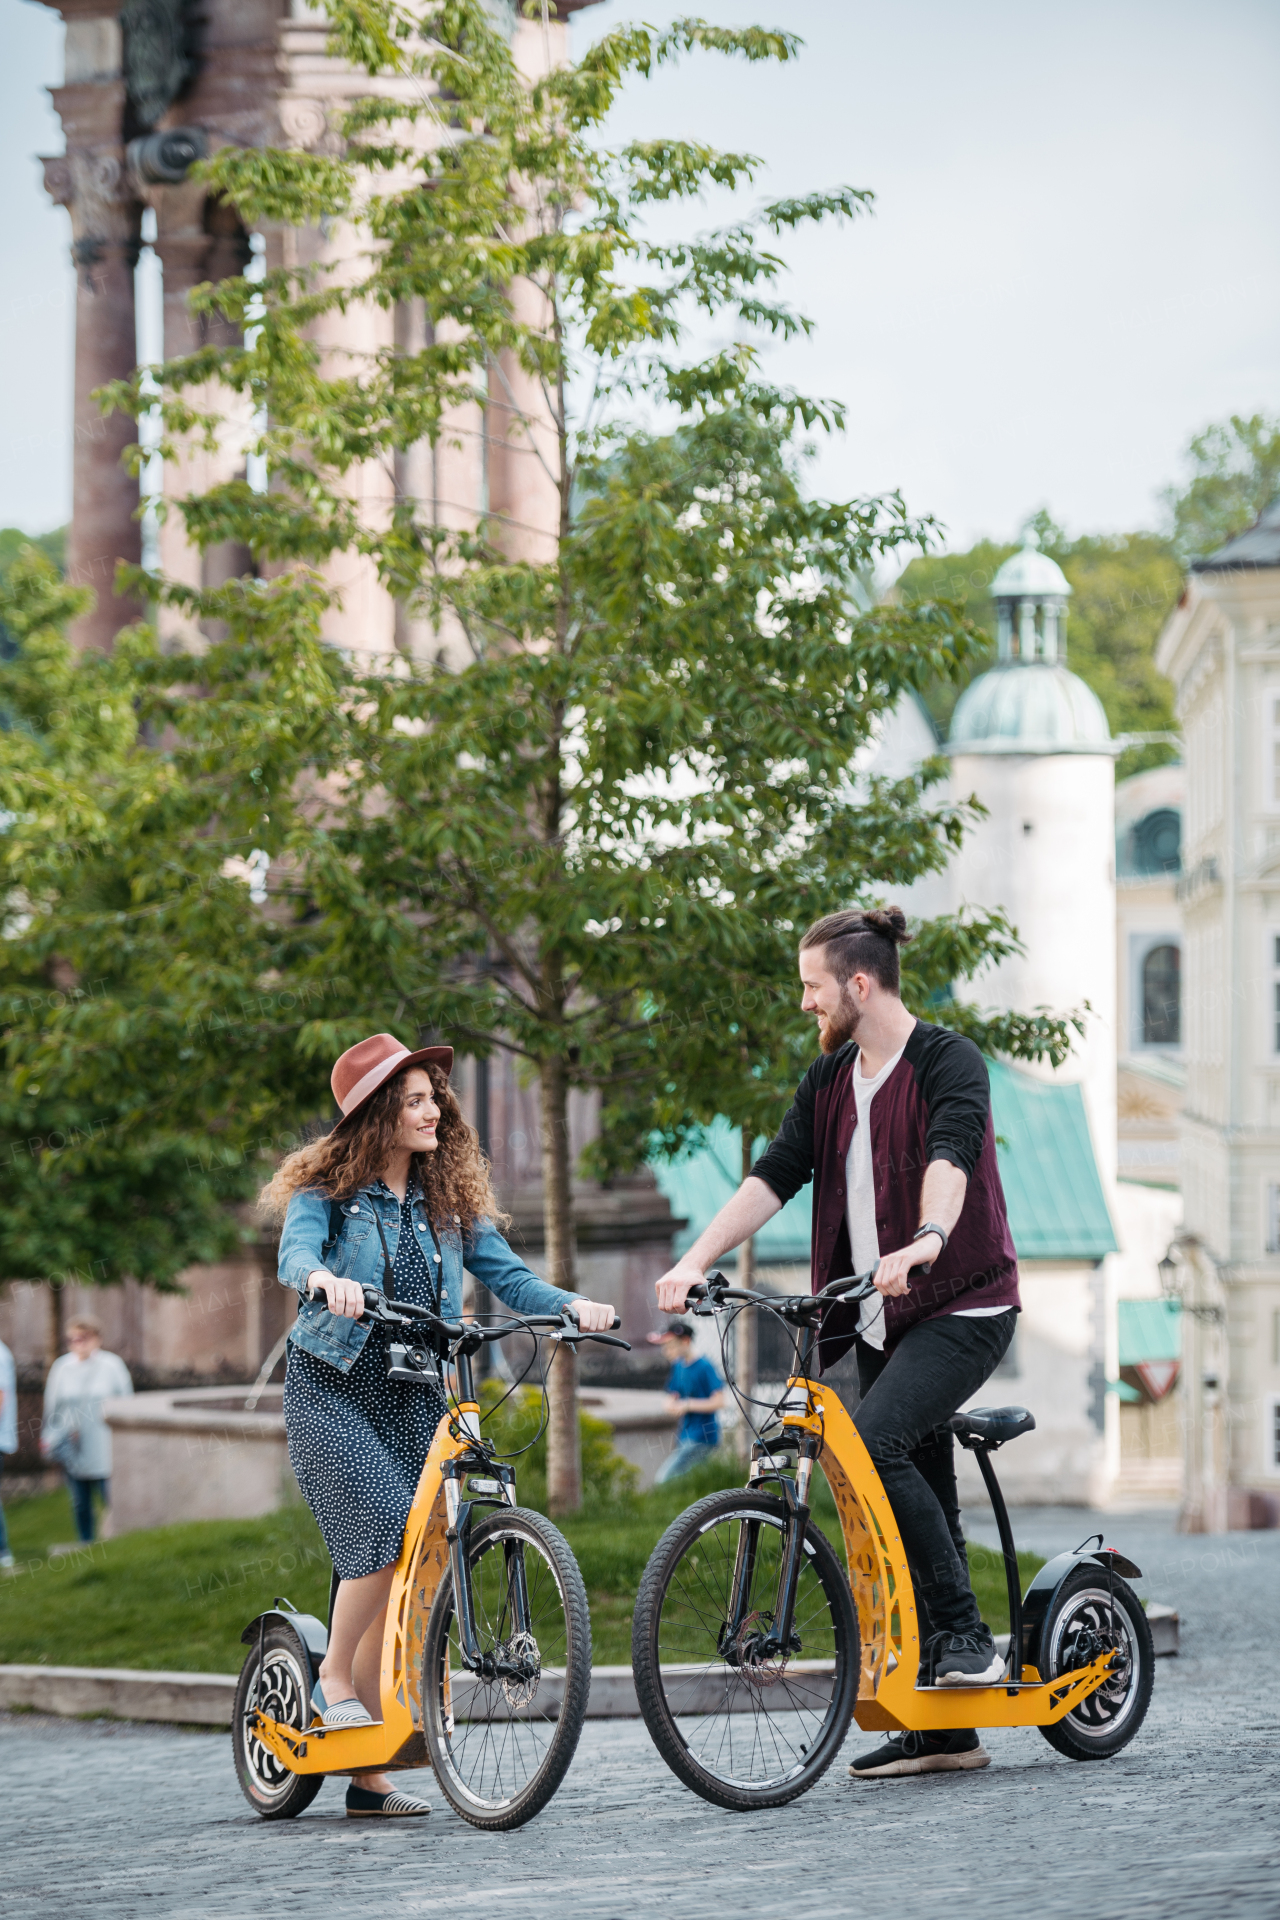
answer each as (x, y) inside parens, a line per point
(303, 122)
(57, 178)
(159, 59)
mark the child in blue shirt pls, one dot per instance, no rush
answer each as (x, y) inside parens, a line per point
(694, 1390)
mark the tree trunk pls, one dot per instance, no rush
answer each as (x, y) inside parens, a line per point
(57, 1318)
(564, 1442)
(746, 1327)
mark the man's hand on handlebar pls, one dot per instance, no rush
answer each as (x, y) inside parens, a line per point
(593, 1316)
(893, 1275)
(343, 1297)
(673, 1288)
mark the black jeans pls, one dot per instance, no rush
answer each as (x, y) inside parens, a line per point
(906, 1395)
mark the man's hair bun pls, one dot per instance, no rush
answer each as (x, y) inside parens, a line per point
(891, 922)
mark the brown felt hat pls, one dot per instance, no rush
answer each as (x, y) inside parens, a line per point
(362, 1069)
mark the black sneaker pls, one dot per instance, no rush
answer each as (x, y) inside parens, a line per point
(957, 1750)
(929, 1652)
(967, 1660)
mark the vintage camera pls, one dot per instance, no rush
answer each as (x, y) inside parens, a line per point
(417, 1365)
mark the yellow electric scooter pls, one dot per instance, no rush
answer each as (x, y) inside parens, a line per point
(752, 1646)
(486, 1659)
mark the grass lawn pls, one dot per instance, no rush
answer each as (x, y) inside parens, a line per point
(179, 1597)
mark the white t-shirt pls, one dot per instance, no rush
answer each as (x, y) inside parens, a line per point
(860, 1189)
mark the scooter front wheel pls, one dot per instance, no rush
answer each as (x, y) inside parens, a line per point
(283, 1693)
(742, 1724)
(1093, 1612)
(501, 1734)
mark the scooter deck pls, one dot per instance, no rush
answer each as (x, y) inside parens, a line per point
(319, 1749)
(999, 1703)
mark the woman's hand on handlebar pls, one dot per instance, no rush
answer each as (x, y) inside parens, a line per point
(343, 1297)
(593, 1316)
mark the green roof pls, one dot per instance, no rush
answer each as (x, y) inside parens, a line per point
(1057, 1207)
(1149, 1330)
(698, 1184)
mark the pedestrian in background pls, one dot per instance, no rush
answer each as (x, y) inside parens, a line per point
(695, 1391)
(8, 1435)
(74, 1433)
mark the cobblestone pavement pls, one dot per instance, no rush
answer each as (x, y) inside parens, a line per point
(121, 1820)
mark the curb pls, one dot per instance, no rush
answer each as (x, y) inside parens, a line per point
(205, 1699)
(123, 1693)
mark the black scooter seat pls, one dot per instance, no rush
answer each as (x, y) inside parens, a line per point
(990, 1426)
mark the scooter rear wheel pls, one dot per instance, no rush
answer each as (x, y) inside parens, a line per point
(1093, 1610)
(285, 1694)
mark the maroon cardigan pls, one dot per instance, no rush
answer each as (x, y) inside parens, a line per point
(935, 1105)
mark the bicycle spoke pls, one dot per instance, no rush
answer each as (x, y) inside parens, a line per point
(743, 1719)
(500, 1745)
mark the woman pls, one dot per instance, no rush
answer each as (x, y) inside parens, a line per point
(401, 1158)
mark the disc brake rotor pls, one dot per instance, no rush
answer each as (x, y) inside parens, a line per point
(520, 1651)
(1084, 1642)
(757, 1669)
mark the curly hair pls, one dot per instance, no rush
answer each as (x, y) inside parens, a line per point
(454, 1180)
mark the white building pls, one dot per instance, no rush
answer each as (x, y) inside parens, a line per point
(1152, 1073)
(1221, 649)
(1031, 741)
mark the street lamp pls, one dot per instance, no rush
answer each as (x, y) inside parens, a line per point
(1167, 1268)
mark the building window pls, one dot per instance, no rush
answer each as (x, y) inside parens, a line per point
(1273, 1241)
(1157, 842)
(1272, 759)
(1273, 1437)
(1162, 996)
(1275, 993)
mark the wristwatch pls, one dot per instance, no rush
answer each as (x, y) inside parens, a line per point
(931, 1226)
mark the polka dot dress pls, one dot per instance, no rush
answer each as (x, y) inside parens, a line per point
(357, 1440)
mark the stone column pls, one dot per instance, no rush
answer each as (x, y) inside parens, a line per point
(90, 180)
(198, 240)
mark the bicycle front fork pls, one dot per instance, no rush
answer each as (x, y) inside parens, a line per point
(777, 1642)
(514, 1625)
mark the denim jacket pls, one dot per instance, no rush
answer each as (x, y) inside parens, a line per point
(356, 1254)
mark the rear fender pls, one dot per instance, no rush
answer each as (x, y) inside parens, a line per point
(312, 1633)
(1040, 1594)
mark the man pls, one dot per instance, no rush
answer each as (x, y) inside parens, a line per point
(695, 1391)
(893, 1124)
(74, 1432)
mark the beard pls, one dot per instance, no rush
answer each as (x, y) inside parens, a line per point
(841, 1026)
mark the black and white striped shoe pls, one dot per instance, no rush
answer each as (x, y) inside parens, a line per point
(343, 1713)
(363, 1805)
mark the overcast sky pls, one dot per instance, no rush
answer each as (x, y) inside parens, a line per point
(1074, 262)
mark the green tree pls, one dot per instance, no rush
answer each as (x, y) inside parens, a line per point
(648, 748)
(149, 1051)
(1234, 468)
(52, 545)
